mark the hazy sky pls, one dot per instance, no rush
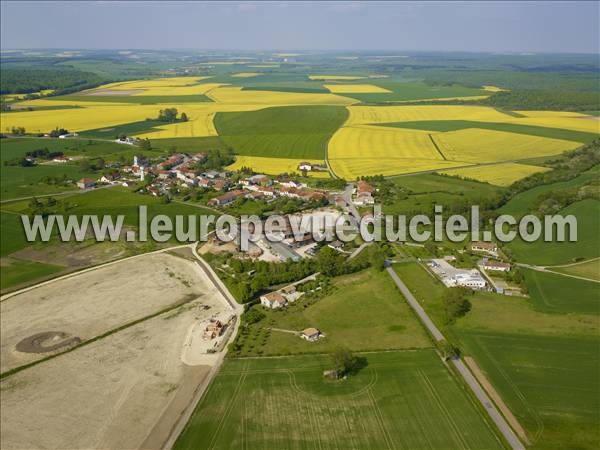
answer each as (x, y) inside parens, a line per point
(456, 26)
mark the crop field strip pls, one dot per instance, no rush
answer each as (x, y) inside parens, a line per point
(285, 403)
(497, 174)
(281, 132)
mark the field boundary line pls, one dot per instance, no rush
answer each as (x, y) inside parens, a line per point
(487, 385)
(436, 147)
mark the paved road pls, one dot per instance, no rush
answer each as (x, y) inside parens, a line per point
(483, 398)
(548, 269)
(435, 332)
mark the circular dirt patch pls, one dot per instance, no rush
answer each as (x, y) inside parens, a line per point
(47, 341)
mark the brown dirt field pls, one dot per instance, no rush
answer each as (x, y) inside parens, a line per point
(487, 386)
(119, 392)
(113, 92)
(95, 302)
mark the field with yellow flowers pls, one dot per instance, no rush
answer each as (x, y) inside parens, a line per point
(273, 129)
(496, 174)
(275, 166)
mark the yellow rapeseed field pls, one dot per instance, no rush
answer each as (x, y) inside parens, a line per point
(355, 89)
(274, 166)
(334, 77)
(388, 114)
(79, 119)
(236, 96)
(478, 146)
(350, 169)
(497, 174)
(371, 150)
(493, 89)
(245, 74)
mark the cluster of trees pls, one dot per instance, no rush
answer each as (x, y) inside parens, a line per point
(18, 131)
(88, 165)
(544, 99)
(170, 115)
(249, 278)
(58, 132)
(456, 303)
(215, 159)
(46, 207)
(62, 81)
(43, 153)
(345, 362)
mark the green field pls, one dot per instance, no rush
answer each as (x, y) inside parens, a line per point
(15, 271)
(129, 129)
(20, 181)
(454, 125)
(412, 91)
(418, 194)
(400, 400)
(300, 132)
(524, 202)
(556, 293)
(364, 312)
(549, 383)
(587, 245)
(588, 269)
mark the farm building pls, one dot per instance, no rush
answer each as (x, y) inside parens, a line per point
(452, 276)
(311, 334)
(225, 199)
(305, 165)
(488, 247)
(86, 183)
(490, 264)
(273, 300)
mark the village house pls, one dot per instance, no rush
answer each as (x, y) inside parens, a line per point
(164, 174)
(490, 264)
(61, 159)
(487, 247)
(220, 184)
(203, 182)
(86, 183)
(109, 177)
(289, 183)
(226, 198)
(212, 174)
(259, 180)
(305, 165)
(311, 334)
(273, 300)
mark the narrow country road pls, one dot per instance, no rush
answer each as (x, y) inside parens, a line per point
(483, 398)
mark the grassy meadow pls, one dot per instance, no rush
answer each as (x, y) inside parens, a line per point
(364, 312)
